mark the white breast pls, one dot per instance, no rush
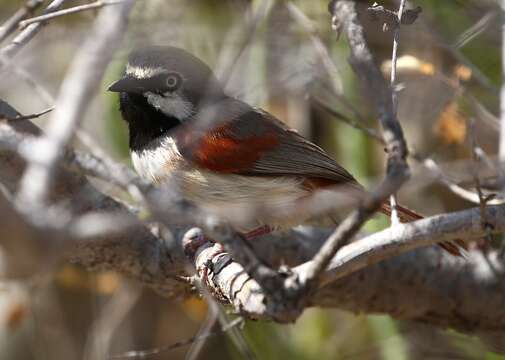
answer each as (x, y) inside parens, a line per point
(158, 163)
(233, 197)
(230, 196)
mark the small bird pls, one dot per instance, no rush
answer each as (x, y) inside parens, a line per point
(224, 153)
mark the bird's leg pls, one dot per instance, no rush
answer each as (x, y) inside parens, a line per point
(259, 231)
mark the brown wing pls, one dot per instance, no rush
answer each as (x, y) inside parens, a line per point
(252, 142)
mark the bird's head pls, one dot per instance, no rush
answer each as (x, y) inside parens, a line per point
(170, 79)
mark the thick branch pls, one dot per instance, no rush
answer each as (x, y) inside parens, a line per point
(424, 285)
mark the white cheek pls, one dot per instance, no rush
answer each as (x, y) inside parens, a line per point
(171, 104)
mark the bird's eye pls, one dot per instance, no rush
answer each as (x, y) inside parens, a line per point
(173, 81)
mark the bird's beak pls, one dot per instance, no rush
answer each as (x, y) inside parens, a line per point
(127, 84)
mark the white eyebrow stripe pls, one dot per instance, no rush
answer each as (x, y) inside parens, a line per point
(144, 72)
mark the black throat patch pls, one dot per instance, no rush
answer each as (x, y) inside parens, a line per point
(146, 124)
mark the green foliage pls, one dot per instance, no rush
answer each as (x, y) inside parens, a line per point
(114, 127)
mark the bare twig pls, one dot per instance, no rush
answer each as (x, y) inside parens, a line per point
(10, 25)
(146, 353)
(72, 10)
(475, 30)
(76, 91)
(206, 328)
(29, 117)
(109, 319)
(394, 58)
(431, 165)
(427, 162)
(344, 15)
(351, 122)
(395, 219)
(318, 44)
(456, 53)
(483, 200)
(501, 153)
(26, 35)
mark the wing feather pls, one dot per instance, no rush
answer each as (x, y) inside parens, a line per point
(253, 142)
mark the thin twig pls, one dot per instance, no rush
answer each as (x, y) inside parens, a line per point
(463, 193)
(146, 353)
(344, 16)
(10, 25)
(395, 218)
(26, 35)
(31, 116)
(355, 124)
(236, 335)
(501, 152)
(72, 10)
(456, 53)
(394, 58)
(429, 163)
(475, 30)
(109, 319)
(318, 45)
(483, 200)
(208, 324)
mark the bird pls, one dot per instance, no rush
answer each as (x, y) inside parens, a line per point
(222, 152)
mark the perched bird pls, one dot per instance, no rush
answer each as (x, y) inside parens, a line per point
(224, 153)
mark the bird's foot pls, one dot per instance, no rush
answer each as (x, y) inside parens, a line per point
(258, 232)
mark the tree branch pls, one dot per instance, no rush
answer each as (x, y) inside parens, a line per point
(76, 91)
(25, 36)
(94, 5)
(344, 16)
(403, 286)
(10, 25)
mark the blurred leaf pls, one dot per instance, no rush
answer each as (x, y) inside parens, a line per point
(16, 314)
(114, 126)
(387, 335)
(462, 72)
(451, 125)
(195, 308)
(408, 64)
(75, 278)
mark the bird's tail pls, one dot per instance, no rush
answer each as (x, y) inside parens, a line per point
(453, 247)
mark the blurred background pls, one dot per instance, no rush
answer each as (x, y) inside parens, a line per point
(284, 57)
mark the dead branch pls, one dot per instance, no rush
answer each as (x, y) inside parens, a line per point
(10, 25)
(25, 36)
(77, 89)
(94, 5)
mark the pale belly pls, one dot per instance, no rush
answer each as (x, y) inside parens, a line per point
(245, 201)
